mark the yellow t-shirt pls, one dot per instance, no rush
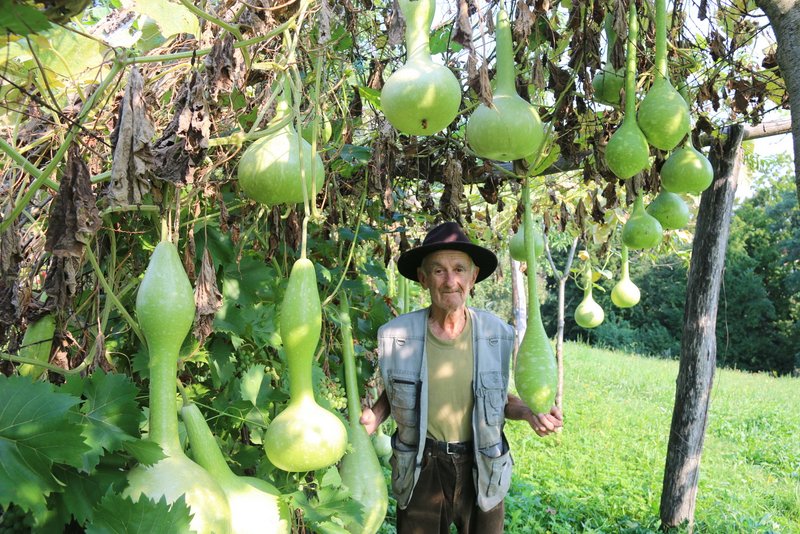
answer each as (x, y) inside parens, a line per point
(450, 398)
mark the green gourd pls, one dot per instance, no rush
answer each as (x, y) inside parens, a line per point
(254, 503)
(627, 152)
(663, 114)
(165, 309)
(510, 128)
(273, 169)
(536, 373)
(670, 210)
(588, 314)
(608, 81)
(641, 230)
(360, 468)
(687, 170)
(421, 97)
(625, 293)
(304, 436)
(37, 344)
(516, 246)
(383, 444)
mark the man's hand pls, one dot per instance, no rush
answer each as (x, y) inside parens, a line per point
(541, 423)
(372, 418)
(369, 420)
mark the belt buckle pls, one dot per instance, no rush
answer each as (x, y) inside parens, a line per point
(447, 447)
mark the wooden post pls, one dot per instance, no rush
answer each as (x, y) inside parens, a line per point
(698, 345)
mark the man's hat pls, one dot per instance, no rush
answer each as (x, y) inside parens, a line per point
(446, 236)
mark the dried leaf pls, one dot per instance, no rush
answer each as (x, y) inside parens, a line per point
(224, 67)
(524, 22)
(10, 258)
(395, 26)
(449, 204)
(207, 298)
(462, 29)
(485, 91)
(61, 284)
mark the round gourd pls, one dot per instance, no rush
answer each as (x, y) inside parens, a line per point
(421, 97)
(625, 294)
(607, 84)
(641, 230)
(670, 210)
(516, 246)
(510, 128)
(687, 170)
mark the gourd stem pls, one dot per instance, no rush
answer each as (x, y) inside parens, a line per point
(505, 56)
(625, 271)
(419, 17)
(611, 36)
(630, 65)
(661, 39)
(300, 385)
(587, 280)
(205, 450)
(534, 314)
(163, 403)
(348, 355)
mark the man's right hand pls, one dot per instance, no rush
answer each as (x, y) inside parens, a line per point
(369, 420)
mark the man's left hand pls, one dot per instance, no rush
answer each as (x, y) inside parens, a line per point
(546, 423)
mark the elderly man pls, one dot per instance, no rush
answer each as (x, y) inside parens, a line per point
(445, 371)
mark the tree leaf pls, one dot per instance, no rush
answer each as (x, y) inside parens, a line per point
(172, 18)
(22, 19)
(118, 515)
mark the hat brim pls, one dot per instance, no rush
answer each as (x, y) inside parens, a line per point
(411, 260)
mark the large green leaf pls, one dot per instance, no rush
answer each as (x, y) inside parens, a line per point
(22, 19)
(117, 515)
(37, 429)
(171, 18)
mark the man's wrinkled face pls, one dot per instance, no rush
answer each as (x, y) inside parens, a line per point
(448, 275)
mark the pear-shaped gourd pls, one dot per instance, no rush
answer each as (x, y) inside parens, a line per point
(421, 97)
(536, 373)
(274, 168)
(625, 293)
(37, 344)
(510, 128)
(589, 314)
(687, 170)
(670, 210)
(608, 81)
(383, 445)
(304, 436)
(627, 152)
(360, 468)
(663, 114)
(641, 230)
(516, 246)
(165, 309)
(255, 504)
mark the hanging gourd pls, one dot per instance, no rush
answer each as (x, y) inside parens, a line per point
(255, 504)
(663, 114)
(516, 246)
(360, 468)
(165, 309)
(509, 128)
(641, 230)
(274, 168)
(536, 374)
(588, 314)
(687, 170)
(627, 152)
(608, 81)
(625, 294)
(421, 97)
(37, 343)
(670, 210)
(304, 436)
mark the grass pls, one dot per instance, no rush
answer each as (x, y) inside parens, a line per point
(604, 472)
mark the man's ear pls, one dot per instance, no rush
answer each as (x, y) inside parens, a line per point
(475, 271)
(421, 278)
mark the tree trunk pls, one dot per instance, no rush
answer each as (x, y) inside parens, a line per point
(698, 345)
(784, 15)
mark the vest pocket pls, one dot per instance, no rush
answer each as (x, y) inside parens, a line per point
(494, 397)
(403, 462)
(403, 403)
(494, 466)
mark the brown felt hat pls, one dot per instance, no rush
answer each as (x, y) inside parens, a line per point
(446, 236)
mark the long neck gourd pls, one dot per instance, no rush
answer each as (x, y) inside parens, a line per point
(687, 170)
(165, 309)
(663, 114)
(304, 436)
(627, 152)
(608, 81)
(254, 503)
(641, 230)
(360, 468)
(625, 293)
(510, 128)
(421, 97)
(274, 168)
(588, 314)
(536, 373)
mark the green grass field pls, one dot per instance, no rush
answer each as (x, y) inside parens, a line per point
(604, 472)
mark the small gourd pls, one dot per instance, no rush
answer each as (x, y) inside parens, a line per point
(588, 314)
(421, 97)
(670, 210)
(516, 246)
(663, 114)
(304, 436)
(625, 294)
(641, 230)
(510, 128)
(608, 81)
(37, 343)
(274, 168)
(687, 170)
(627, 152)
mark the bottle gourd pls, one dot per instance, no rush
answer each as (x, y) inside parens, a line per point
(588, 314)
(687, 170)
(608, 81)
(510, 128)
(304, 436)
(516, 246)
(625, 293)
(421, 97)
(670, 210)
(641, 230)
(37, 343)
(165, 309)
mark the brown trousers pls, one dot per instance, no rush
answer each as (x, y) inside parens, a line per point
(445, 495)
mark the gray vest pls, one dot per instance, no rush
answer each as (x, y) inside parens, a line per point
(404, 366)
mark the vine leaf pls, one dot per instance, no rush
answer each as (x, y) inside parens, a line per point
(22, 19)
(37, 430)
(171, 18)
(117, 514)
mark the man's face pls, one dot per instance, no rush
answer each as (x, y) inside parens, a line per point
(448, 275)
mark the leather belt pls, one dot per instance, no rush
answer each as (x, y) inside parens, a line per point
(449, 447)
